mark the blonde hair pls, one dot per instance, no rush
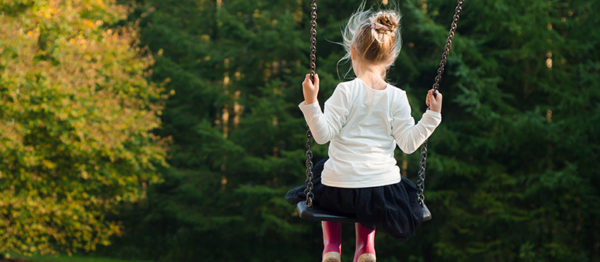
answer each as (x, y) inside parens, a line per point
(375, 35)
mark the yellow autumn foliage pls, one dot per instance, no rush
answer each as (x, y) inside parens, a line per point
(76, 120)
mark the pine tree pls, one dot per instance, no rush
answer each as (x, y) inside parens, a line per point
(511, 168)
(236, 130)
(509, 175)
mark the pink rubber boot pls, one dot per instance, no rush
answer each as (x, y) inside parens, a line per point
(332, 241)
(365, 244)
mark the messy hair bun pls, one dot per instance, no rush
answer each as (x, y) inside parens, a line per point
(374, 35)
(385, 23)
(378, 44)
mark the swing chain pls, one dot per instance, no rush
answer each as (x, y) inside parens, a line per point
(421, 174)
(313, 39)
(313, 65)
(436, 85)
(453, 27)
(309, 174)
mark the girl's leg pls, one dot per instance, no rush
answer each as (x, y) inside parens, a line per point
(332, 241)
(365, 244)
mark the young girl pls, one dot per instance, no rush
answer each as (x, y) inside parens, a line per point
(363, 120)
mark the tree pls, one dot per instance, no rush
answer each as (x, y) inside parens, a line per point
(511, 172)
(76, 113)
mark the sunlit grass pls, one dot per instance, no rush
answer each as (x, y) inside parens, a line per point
(47, 258)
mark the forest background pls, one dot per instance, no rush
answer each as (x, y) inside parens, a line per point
(168, 130)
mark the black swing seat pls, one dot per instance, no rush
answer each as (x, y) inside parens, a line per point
(316, 214)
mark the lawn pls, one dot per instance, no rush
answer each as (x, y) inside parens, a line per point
(47, 258)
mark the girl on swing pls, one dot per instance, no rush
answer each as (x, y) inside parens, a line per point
(363, 120)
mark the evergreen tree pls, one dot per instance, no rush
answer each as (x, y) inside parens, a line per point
(510, 171)
(510, 175)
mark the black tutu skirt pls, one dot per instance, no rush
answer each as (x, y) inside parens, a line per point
(393, 208)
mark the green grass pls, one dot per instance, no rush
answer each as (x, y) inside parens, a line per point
(47, 258)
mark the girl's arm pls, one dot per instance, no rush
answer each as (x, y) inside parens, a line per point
(324, 126)
(409, 136)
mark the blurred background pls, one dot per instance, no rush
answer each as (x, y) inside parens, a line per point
(168, 130)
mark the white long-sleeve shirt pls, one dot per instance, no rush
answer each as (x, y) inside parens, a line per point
(364, 125)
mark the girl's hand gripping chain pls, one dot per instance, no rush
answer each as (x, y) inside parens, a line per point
(310, 89)
(434, 100)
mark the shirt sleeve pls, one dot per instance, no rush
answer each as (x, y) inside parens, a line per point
(325, 126)
(409, 136)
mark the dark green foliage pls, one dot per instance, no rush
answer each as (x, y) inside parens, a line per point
(511, 172)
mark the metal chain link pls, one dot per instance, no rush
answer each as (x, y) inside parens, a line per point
(309, 174)
(313, 66)
(436, 85)
(313, 39)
